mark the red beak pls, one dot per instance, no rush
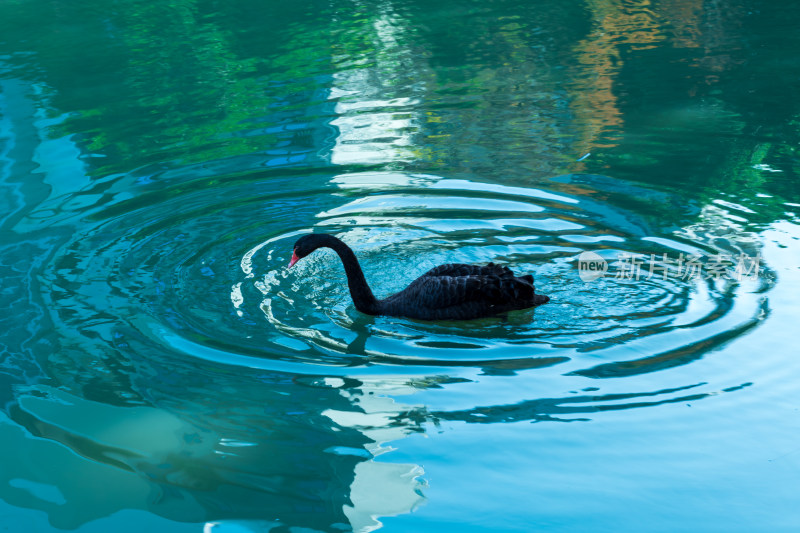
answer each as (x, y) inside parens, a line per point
(294, 260)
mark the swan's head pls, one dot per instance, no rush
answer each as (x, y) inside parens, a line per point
(307, 244)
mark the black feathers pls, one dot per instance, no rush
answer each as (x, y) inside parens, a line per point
(462, 292)
(447, 292)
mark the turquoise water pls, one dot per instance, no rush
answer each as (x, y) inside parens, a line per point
(162, 370)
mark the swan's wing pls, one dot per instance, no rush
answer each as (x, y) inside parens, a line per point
(442, 291)
(462, 297)
(459, 270)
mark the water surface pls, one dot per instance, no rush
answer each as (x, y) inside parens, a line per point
(161, 368)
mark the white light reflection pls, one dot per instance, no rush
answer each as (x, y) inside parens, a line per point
(374, 129)
(379, 489)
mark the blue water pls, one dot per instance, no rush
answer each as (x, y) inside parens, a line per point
(161, 369)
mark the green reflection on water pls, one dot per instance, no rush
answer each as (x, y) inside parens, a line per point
(665, 94)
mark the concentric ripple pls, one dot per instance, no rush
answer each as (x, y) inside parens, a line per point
(204, 274)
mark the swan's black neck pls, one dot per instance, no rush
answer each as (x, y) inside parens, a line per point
(362, 296)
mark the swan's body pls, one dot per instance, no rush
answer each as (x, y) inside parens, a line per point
(447, 292)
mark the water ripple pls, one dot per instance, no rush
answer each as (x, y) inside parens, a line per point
(203, 275)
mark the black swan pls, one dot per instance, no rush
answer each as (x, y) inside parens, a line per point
(447, 292)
